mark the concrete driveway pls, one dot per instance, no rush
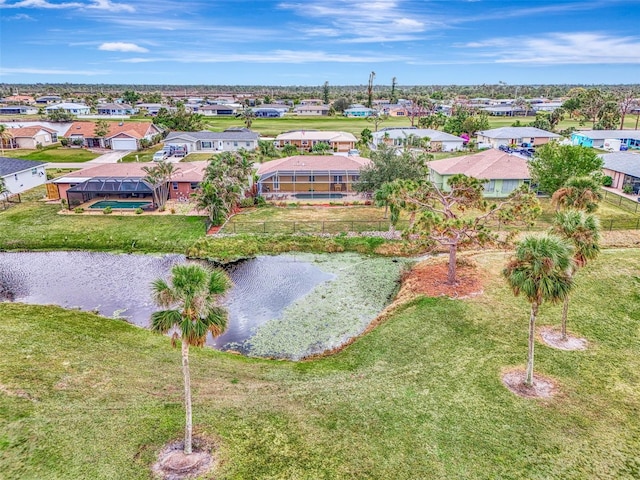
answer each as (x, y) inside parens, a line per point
(109, 157)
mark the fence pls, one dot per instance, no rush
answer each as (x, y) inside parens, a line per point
(622, 202)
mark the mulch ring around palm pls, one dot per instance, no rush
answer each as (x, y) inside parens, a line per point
(430, 278)
(553, 338)
(173, 464)
(543, 387)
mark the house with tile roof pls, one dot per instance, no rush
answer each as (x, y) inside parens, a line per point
(29, 137)
(21, 175)
(306, 139)
(120, 135)
(122, 181)
(230, 140)
(502, 173)
(623, 168)
(515, 136)
(307, 176)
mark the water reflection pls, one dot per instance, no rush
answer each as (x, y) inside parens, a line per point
(119, 285)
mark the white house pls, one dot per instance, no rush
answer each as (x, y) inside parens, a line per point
(438, 141)
(515, 135)
(74, 108)
(21, 175)
(230, 140)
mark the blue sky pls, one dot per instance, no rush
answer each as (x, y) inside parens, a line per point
(308, 42)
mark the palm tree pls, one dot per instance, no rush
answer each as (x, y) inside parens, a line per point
(5, 136)
(4, 191)
(581, 193)
(247, 115)
(583, 232)
(540, 270)
(191, 309)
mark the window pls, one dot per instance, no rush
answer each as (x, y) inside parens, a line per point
(174, 185)
(194, 185)
(312, 178)
(490, 186)
(355, 178)
(509, 186)
(337, 179)
(34, 171)
(207, 145)
(304, 142)
(276, 183)
(235, 144)
(248, 144)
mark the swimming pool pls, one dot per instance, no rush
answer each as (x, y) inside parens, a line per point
(124, 204)
(312, 195)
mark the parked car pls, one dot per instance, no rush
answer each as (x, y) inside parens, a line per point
(353, 151)
(160, 156)
(181, 151)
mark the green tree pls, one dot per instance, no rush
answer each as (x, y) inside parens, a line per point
(572, 106)
(366, 137)
(59, 115)
(4, 191)
(394, 96)
(321, 148)
(583, 231)
(553, 164)
(101, 128)
(267, 149)
(248, 116)
(325, 93)
(372, 75)
(289, 150)
(341, 104)
(581, 193)
(131, 97)
(190, 307)
(5, 137)
(377, 118)
(441, 218)
(539, 271)
(179, 120)
(159, 176)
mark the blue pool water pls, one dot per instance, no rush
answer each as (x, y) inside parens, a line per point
(115, 204)
(312, 195)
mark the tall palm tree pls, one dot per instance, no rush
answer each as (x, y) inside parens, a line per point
(248, 115)
(583, 231)
(191, 308)
(4, 191)
(540, 270)
(581, 193)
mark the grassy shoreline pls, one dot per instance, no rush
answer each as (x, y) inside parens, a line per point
(418, 397)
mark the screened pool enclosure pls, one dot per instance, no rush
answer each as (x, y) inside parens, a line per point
(111, 188)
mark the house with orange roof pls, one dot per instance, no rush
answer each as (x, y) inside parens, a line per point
(311, 176)
(503, 173)
(30, 137)
(120, 135)
(306, 139)
(118, 181)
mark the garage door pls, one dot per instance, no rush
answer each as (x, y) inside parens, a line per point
(124, 144)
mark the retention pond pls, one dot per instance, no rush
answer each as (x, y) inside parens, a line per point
(285, 306)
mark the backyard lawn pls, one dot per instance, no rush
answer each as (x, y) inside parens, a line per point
(57, 154)
(420, 397)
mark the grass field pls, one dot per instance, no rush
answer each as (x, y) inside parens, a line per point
(54, 154)
(34, 225)
(420, 397)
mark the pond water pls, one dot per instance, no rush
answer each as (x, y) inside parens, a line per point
(285, 306)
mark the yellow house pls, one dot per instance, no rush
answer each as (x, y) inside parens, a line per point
(305, 140)
(308, 176)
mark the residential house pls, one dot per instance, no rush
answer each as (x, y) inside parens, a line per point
(120, 135)
(358, 111)
(230, 140)
(546, 106)
(515, 135)
(262, 112)
(312, 110)
(218, 110)
(306, 139)
(153, 108)
(30, 137)
(438, 141)
(122, 180)
(502, 173)
(311, 101)
(74, 108)
(303, 175)
(21, 175)
(623, 168)
(18, 99)
(598, 138)
(276, 106)
(18, 110)
(115, 109)
(508, 111)
(48, 99)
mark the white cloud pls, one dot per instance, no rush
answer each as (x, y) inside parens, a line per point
(561, 49)
(20, 16)
(107, 5)
(122, 47)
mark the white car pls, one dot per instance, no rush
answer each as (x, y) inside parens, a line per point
(160, 156)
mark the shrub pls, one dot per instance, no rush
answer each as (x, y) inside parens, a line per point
(247, 202)
(64, 141)
(78, 210)
(260, 202)
(607, 181)
(173, 211)
(107, 210)
(63, 202)
(138, 211)
(355, 202)
(628, 189)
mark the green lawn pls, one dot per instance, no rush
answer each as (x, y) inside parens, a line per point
(57, 154)
(145, 155)
(420, 397)
(34, 225)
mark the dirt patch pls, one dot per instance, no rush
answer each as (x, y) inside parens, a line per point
(173, 464)
(553, 338)
(543, 387)
(430, 278)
